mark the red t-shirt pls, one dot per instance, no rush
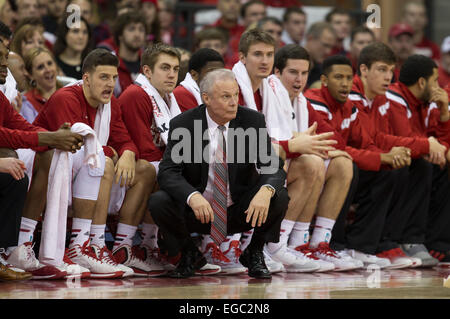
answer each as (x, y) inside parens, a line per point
(35, 99)
(70, 105)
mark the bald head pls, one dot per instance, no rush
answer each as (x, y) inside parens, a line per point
(17, 68)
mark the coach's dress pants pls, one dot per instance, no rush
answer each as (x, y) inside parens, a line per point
(12, 199)
(176, 221)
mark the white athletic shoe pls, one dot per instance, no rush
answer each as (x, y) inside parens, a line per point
(344, 255)
(23, 257)
(215, 256)
(293, 262)
(305, 251)
(85, 257)
(73, 270)
(272, 265)
(133, 257)
(105, 255)
(324, 252)
(397, 258)
(368, 259)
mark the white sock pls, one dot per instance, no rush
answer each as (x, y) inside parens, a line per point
(285, 231)
(246, 238)
(149, 235)
(124, 235)
(299, 235)
(322, 231)
(27, 227)
(81, 229)
(98, 235)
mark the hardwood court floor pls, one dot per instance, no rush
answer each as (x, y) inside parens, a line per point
(392, 284)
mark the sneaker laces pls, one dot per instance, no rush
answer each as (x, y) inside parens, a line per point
(325, 249)
(89, 251)
(216, 253)
(307, 251)
(30, 254)
(106, 256)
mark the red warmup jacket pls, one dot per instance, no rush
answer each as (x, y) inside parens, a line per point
(414, 117)
(322, 125)
(137, 114)
(70, 105)
(15, 131)
(350, 124)
(185, 99)
(381, 120)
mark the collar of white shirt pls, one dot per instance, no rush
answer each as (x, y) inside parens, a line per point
(212, 126)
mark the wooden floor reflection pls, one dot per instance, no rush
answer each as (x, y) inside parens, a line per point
(410, 283)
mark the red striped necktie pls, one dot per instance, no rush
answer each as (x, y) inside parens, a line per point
(219, 203)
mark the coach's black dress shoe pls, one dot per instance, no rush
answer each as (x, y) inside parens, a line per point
(191, 260)
(253, 259)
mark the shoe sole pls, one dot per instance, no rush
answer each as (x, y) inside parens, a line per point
(51, 277)
(233, 272)
(207, 272)
(300, 270)
(106, 275)
(157, 273)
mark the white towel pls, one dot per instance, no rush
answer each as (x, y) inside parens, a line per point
(59, 196)
(189, 84)
(162, 113)
(277, 114)
(300, 120)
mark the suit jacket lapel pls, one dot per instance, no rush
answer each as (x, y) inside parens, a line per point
(205, 144)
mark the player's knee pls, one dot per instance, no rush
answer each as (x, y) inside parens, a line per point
(145, 171)
(109, 169)
(342, 169)
(308, 167)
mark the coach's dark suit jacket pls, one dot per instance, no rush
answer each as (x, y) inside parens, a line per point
(179, 180)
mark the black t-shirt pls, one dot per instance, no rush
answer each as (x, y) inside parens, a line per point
(134, 67)
(70, 70)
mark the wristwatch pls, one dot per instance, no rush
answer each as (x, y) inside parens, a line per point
(271, 189)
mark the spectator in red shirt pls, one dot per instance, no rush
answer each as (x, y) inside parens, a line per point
(360, 38)
(41, 67)
(415, 14)
(274, 27)
(216, 39)
(129, 38)
(320, 40)
(166, 17)
(444, 65)
(402, 43)
(341, 21)
(294, 21)
(229, 22)
(252, 11)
